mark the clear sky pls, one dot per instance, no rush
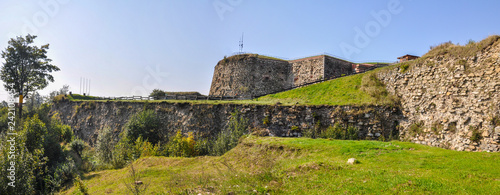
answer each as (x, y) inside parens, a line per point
(132, 47)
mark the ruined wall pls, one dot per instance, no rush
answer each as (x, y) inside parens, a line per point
(336, 67)
(246, 75)
(88, 119)
(307, 70)
(450, 101)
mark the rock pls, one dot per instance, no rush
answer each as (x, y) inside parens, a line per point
(352, 161)
(497, 129)
(485, 134)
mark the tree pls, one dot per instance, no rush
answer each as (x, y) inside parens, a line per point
(27, 68)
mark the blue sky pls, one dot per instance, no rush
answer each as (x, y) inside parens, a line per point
(131, 47)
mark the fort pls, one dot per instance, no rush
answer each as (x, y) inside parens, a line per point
(250, 75)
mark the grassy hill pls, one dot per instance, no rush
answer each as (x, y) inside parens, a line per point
(311, 166)
(359, 89)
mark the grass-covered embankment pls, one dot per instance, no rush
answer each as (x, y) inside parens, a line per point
(312, 166)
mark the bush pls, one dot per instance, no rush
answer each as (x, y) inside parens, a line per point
(104, 146)
(34, 132)
(416, 128)
(229, 137)
(476, 136)
(404, 67)
(77, 145)
(182, 146)
(144, 124)
(338, 132)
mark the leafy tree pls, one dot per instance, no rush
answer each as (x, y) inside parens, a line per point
(27, 68)
(157, 94)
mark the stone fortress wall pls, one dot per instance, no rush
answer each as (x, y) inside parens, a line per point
(249, 75)
(450, 102)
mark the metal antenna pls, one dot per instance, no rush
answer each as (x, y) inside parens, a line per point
(241, 43)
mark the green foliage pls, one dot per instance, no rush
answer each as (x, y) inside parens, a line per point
(144, 124)
(104, 146)
(416, 128)
(77, 145)
(34, 133)
(157, 93)
(122, 153)
(143, 148)
(182, 146)
(336, 131)
(26, 68)
(476, 136)
(404, 66)
(80, 185)
(436, 127)
(26, 164)
(229, 137)
(266, 121)
(452, 127)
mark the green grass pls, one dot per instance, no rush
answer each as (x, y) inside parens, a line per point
(360, 89)
(312, 166)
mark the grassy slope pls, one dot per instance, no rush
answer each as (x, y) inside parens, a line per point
(342, 91)
(313, 166)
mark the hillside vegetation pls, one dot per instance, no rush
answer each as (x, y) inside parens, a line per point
(310, 166)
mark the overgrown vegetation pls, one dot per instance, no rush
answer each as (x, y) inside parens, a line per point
(336, 131)
(44, 161)
(416, 128)
(261, 165)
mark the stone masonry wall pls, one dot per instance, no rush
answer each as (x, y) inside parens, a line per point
(307, 70)
(336, 67)
(88, 119)
(247, 75)
(449, 101)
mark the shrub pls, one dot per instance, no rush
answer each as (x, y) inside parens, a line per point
(266, 121)
(182, 146)
(122, 153)
(404, 67)
(34, 133)
(229, 137)
(77, 146)
(338, 132)
(416, 128)
(81, 186)
(436, 127)
(144, 124)
(104, 146)
(476, 136)
(144, 148)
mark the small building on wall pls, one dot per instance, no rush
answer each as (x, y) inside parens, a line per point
(407, 57)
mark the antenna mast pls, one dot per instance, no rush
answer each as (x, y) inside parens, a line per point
(241, 43)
